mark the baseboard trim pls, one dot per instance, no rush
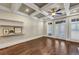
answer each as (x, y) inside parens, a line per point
(63, 39)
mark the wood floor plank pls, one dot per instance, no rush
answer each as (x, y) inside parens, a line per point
(43, 46)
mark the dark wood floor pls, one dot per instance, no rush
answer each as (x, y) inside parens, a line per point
(43, 46)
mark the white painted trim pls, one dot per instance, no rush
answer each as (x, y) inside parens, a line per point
(8, 44)
(67, 10)
(64, 39)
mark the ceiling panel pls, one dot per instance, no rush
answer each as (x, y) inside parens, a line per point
(39, 15)
(26, 9)
(40, 4)
(73, 4)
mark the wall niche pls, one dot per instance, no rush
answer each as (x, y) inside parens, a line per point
(7, 30)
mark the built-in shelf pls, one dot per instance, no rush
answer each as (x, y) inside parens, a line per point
(8, 30)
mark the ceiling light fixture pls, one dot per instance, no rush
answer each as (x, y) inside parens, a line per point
(27, 10)
(53, 14)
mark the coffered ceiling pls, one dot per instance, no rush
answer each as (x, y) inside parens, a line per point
(41, 10)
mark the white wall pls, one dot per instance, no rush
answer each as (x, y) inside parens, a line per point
(31, 28)
(12, 23)
(45, 28)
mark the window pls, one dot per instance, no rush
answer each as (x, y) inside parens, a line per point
(75, 29)
(78, 26)
(60, 28)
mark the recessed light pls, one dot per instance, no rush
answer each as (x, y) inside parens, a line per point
(27, 10)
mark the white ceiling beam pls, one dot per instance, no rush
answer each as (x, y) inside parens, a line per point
(67, 6)
(22, 14)
(15, 7)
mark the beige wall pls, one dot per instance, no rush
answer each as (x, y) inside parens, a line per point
(31, 28)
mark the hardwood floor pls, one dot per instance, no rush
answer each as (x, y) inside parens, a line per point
(43, 46)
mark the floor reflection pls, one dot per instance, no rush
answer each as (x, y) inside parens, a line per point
(43, 46)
